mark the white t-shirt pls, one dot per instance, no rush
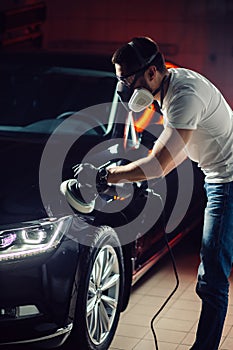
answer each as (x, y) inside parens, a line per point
(193, 102)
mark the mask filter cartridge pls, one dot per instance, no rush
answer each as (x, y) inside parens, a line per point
(140, 100)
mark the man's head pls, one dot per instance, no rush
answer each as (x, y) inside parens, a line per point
(139, 53)
(140, 68)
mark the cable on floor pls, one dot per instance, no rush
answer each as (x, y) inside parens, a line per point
(172, 293)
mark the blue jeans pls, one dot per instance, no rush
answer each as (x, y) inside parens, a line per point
(215, 266)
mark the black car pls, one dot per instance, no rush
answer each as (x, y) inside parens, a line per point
(65, 277)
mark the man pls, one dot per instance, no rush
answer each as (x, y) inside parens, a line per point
(198, 123)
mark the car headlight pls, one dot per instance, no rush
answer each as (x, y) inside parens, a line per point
(32, 238)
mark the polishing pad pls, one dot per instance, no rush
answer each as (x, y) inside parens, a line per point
(71, 191)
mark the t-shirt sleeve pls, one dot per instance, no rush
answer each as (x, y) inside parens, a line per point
(184, 112)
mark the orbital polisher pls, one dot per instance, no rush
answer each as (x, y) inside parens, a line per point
(82, 191)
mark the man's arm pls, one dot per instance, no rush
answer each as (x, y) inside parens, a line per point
(167, 153)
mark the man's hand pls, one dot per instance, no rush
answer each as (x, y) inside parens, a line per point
(92, 178)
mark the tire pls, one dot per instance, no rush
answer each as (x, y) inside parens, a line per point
(100, 291)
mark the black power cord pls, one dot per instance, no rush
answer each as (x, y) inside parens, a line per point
(173, 291)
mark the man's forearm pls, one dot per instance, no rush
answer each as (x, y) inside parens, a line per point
(168, 152)
(145, 168)
(139, 170)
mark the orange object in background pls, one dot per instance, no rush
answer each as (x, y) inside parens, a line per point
(145, 119)
(171, 65)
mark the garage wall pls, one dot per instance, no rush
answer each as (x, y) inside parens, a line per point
(196, 34)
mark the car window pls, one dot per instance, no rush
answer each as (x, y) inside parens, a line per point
(32, 94)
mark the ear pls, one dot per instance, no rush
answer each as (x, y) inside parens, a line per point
(151, 72)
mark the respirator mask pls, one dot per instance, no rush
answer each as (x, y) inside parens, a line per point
(135, 100)
(138, 99)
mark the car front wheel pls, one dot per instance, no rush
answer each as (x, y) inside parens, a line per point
(101, 283)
